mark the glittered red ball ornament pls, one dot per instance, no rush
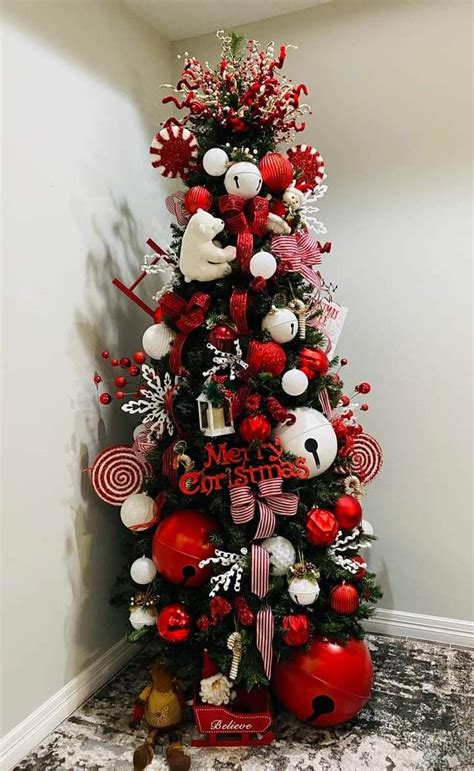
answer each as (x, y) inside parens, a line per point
(277, 171)
(362, 572)
(174, 623)
(105, 398)
(133, 371)
(180, 542)
(139, 357)
(314, 361)
(120, 381)
(296, 629)
(105, 354)
(255, 427)
(363, 388)
(119, 394)
(348, 512)
(198, 197)
(125, 362)
(364, 407)
(321, 527)
(327, 684)
(97, 379)
(265, 357)
(222, 337)
(115, 362)
(344, 400)
(344, 599)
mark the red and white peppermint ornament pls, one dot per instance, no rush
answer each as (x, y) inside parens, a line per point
(117, 473)
(366, 457)
(309, 161)
(175, 150)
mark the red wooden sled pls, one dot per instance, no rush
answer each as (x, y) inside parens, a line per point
(245, 723)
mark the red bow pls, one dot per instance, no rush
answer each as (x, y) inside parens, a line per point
(271, 501)
(187, 315)
(244, 224)
(298, 252)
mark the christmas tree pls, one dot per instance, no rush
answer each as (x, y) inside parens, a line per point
(242, 488)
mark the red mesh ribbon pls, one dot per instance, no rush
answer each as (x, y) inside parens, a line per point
(298, 253)
(239, 301)
(271, 501)
(187, 315)
(259, 584)
(246, 220)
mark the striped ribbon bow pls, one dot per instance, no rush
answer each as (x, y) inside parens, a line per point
(264, 622)
(271, 501)
(297, 253)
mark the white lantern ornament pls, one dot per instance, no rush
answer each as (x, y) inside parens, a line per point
(143, 570)
(138, 512)
(214, 421)
(311, 437)
(263, 264)
(215, 162)
(243, 179)
(282, 554)
(140, 617)
(294, 382)
(281, 324)
(157, 340)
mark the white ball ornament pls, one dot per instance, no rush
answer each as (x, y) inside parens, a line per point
(140, 429)
(282, 554)
(311, 437)
(243, 179)
(157, 340)
(138, 512)
(281, 324)
(303, 591)
(215, 162)
(294, 382)
(263, 264)
(367, 529)
(141, 617)
(143, 570)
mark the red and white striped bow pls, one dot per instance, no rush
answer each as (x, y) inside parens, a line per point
(271, 501)
(298, 253)
(264, 622)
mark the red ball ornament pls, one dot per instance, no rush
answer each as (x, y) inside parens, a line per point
(344, 362)
(344, 599)
(125, 362)
(363, 388)
(139, 357)
(222, 337)
(105, 354)
(321, 527)
(180, 542)
(327, 684)
(364, 407)
(363, 569)
(314, 361)
(105, 398)
(277, 172)
(97, 379)
(198, 197)
(158, 316)
(344, 400)
(174, 623)
(255, 427)
(265, 357)
(296, 629)
(348, 512)
(133, 371)
(119, 394)
(120, 381)
(115, 362)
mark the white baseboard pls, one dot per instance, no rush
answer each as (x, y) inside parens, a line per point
(450, 631)
(34, 728)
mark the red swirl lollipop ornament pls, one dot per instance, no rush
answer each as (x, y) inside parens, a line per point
(366, 457)
(117, 473)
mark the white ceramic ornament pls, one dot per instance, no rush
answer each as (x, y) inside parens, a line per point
(303, 591)
(140, 617)
(215, 162)
(200, 258)
(282, 325)
(311, 437)
(263, 264)
(138, 512)
(157, 339)
(143, 570)
(282, 554)
(294, 382)
(243, 179)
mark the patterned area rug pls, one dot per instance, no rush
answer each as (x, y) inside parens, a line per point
(418, 718)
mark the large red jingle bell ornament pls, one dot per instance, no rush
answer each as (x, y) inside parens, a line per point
(327, 684)
(265, 357)
(313, 362)
(223, 337)
(348, 512)
(197, 197)
(344, 599)
(255, 427)
(296, 629)
(277, 172)
(321, 527)
(174, 623)
(180, 542)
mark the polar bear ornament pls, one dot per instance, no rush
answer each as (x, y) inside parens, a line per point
(200, 258)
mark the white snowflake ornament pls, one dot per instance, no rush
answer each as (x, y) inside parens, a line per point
(152, 403)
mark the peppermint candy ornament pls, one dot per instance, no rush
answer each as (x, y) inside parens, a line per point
(309, 162)
(175, 151)
(117, 473)
(366, 458)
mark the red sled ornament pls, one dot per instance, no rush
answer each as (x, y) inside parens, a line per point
(175, 151)
(309, 162)
(246, 723)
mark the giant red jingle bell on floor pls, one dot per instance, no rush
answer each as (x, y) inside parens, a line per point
(327, 684)
(180, 542)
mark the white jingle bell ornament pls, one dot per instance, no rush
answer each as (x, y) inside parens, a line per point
(294, 382)
(138, 512)
(311, 437)
(282, 554)
(281, 324)
(143, 570)
(215, 162)
(303, 591)
(243, 179)
(263, 264)
(157, 340)
(141, 617)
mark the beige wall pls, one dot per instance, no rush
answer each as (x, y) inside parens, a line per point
(389, 85)
(80, 105)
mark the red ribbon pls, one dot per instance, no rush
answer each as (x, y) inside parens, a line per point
(245, 224)
(297, 253)
(187, 315)
(264, 623)
(271, 501)
(238, 307)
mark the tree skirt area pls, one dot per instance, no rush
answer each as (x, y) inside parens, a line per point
(418, 718)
